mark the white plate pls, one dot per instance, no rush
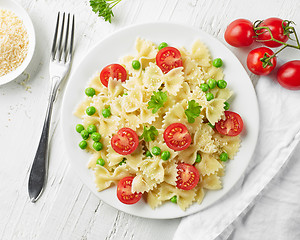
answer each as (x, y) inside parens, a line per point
(22, 14)
(122, 43)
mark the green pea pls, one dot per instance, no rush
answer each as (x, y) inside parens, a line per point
(90, 92)
(212, 83)
(90, 111)
(83, 144)
(209, 96)
(79, 128)
(217, 62)
(198, 158)
(223, 156)
(91, 128)
(100, 162)
(204, 87)
(97, 146)
(84, 134)
(148, 154)
(136, 64)
(222, 84)
(106, 112)
(96, 136)
(165, 155)
(162, 45)
(212, 126)
(124, 94)
(227, 105)
(156, 151)
(174, 199)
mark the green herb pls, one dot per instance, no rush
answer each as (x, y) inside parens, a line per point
(193, 111)
(157, 100)
(123, 161)
(149, 134)
(104, 8)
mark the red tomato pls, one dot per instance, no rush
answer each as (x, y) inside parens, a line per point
(124, 193)
(114, 71)
(177, 137)
(125, 141)
(188, 176)
(231, 126)
(254, 63)
(288, 75)
(240, 33)
(168, 58)
(275, 25)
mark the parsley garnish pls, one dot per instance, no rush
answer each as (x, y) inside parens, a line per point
(123, 161)
(104, 8)
(149, 134)
(157, 100)
(193, 111)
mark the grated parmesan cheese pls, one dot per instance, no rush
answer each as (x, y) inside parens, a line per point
(13, 42)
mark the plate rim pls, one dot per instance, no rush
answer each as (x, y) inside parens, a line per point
(120, 31)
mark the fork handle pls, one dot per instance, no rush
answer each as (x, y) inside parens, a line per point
(39, 169)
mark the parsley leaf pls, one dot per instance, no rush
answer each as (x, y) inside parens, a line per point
(149, 134)
(193, 111)
(157, 100)
(104, 8)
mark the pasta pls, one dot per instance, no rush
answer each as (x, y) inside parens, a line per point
(157, 174)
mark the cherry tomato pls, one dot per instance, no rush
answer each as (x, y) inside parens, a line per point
(275, 25)
(288, 75)
(254, 63)
(114, 71)
(240, 33)
(187, 176)
(125, 141)
(231, 126)
(124, 193)
(168, 58)
(177, 137)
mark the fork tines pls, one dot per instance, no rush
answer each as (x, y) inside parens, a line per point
(62, 51)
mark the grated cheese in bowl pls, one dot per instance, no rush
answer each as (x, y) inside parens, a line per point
(14, 42)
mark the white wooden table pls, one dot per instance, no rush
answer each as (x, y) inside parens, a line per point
(67, 209)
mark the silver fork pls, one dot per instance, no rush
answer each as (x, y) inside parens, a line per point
(60, 62)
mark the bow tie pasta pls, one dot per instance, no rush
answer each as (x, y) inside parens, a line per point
(157, 124)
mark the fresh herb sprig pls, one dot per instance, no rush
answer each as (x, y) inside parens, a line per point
(157, 101)
(104, 8)
(149, 134)
(193, 111)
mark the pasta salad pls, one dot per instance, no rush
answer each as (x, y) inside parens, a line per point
(158, 124)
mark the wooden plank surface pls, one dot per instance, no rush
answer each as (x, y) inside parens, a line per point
(67, 209)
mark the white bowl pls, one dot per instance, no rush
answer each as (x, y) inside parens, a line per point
(22, 14)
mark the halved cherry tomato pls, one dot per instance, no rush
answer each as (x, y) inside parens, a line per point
(232, 125)
(188, 176)
(275, 26)
(177, 137)
(114, 71)
(254, 63)
(168, 58)
(240, 33)
(124, 193)
(288, 75)
(125, 141)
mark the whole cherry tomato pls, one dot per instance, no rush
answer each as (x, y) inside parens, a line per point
(276, 27)
(288, 75)
(255, 64)
(240, 33)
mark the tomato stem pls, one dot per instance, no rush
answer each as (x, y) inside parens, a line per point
(288, 30)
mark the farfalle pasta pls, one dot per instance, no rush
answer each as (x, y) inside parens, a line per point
(160, 128)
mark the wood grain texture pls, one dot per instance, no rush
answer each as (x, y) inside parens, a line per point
(67, 209)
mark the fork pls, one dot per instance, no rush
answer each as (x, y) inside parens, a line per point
(60, 62)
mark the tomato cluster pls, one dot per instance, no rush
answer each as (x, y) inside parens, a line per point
(272, 32)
